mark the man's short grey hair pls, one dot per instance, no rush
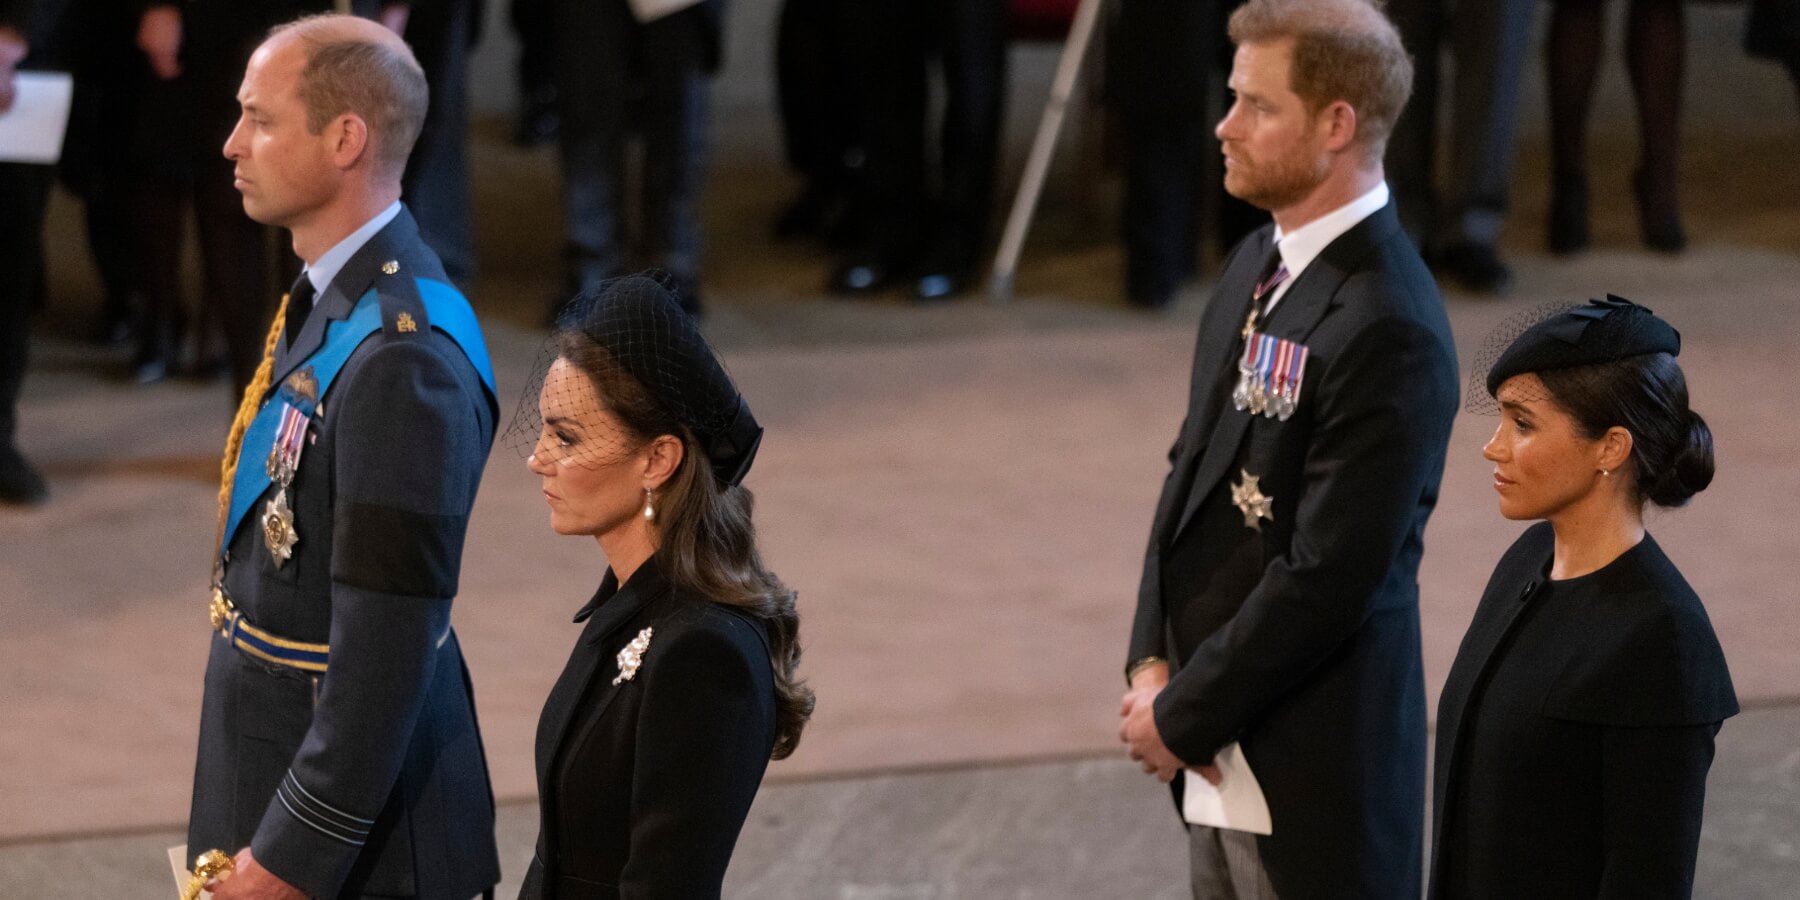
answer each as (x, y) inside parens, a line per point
(380, 82)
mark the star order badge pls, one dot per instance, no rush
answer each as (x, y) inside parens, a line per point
(633, 656)
(278, 529)
(1248, 497)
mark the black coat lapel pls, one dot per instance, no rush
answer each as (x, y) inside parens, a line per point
(1313, 295)
(398, 242)
(610, 610)
(1215, 351)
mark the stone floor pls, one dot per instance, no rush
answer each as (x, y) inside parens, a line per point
(959, 492)
(1073, 829)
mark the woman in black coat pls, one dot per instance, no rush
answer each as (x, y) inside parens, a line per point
(681, 687)
(1576, 728)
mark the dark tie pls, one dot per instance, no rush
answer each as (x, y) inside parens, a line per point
(299, 306)
(1274, 272)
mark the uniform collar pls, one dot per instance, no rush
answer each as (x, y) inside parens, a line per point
(323, 270)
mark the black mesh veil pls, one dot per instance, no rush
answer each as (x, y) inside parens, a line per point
(636, 324)
(1575, 340)
(1479, 399)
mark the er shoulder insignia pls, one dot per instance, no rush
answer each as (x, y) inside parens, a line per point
(405, 324)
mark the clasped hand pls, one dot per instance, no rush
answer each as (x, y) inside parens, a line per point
(1137, 728)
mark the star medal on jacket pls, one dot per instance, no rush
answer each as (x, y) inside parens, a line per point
(633, 656)
(298, 396)
(1248, 497)
(1269, 376)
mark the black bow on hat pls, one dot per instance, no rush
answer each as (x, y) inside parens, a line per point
(1599, 332)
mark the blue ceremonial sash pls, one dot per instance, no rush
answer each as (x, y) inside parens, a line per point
(445, 308)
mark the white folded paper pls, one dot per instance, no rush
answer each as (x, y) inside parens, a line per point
(1236, 803)
(651, 10)
(32, 130)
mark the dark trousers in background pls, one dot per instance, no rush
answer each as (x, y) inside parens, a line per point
(892, 44)
(1490, 42)
(171, 171)
(1411, 159)
(1167, 67)
(534, 21)
(24, 191)
(610, 66)
(436, 185)
(817, 100)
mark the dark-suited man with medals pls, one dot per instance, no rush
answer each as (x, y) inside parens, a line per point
(339, 752)
(1277, 626)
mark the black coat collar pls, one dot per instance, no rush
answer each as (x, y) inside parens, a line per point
(611, 608)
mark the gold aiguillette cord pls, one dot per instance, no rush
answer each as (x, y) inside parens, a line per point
(207, 867)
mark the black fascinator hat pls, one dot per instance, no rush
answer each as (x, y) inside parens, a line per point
(638, 323)
(1562, 336)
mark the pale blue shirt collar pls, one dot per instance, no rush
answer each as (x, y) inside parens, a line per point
(1304, 245)
(332, 261)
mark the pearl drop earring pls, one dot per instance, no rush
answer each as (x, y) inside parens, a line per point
(649, 506)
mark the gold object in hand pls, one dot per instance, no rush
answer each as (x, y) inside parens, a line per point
(207, 867)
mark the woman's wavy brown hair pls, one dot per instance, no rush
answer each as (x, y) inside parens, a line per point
(708, 542)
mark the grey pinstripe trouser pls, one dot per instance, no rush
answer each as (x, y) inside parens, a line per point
(1226, 865)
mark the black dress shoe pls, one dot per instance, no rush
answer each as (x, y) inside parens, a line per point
(1476, 267)
(20, 484)
(540, 122)
(149, 369)
(1567, 233)
(1659, 213)
(115, 331)
(935, 286)
(207, 368)
(862, 276)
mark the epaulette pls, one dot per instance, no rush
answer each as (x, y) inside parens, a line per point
(402, 309)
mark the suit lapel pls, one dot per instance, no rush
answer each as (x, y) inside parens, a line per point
(610, 612)
(1314, 293)
(397, 240)
(1215, 351)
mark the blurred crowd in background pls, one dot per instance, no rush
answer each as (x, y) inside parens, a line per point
(892, 114)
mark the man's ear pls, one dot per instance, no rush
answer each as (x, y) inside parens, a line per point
(1340, 124)
(350, 140)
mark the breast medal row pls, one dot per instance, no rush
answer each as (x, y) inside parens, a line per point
(299, 397)
(1269, 376)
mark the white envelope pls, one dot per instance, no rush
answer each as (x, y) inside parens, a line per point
(32, 130)
(651, 10)
(1236, 803)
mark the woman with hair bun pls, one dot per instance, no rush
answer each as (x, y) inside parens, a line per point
(1576, 727)
(682, 686)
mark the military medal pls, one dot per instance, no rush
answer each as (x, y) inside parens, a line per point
(278, 528)
(1248, 497)
(1269, 376)
(298, 395)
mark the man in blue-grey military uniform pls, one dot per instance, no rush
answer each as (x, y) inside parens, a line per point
(339, 751)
